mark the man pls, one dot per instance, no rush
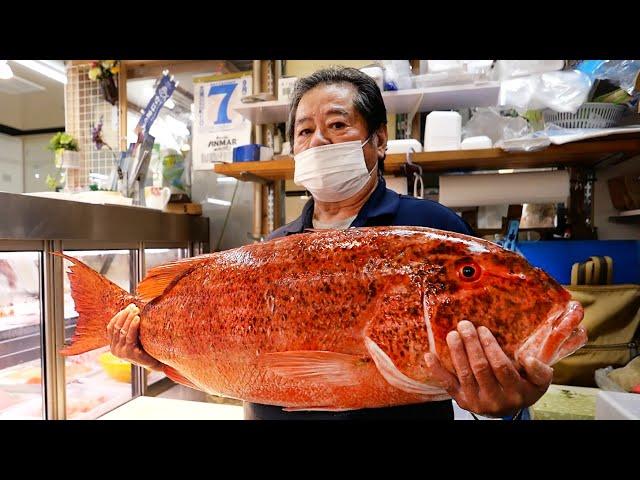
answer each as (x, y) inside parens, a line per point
(338, 130)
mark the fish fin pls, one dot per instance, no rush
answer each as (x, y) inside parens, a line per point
(173, 374)
(316, 230)
(328, 367)
(160, 278)
(316, 409)
(394, 376)
(97, 300)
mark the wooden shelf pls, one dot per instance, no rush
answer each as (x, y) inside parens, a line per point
(269, 170)
(587, 153)
(401, 101)
(628, 216)
(450, 97)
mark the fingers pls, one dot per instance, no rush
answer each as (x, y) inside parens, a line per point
(537, 372)
(575, 341)
(477, 359)
(117, 332)
(566, 325)
(461, 363)
(133, 330)
(502, 366)
(112, 322)
(124, 331)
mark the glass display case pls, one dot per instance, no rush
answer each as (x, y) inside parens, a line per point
(37, 313)
(20, 335)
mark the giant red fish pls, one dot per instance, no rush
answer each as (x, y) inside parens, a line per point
(332, 320)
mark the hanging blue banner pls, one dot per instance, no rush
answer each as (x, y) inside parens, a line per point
(164, 90)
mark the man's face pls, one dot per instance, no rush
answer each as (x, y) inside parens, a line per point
(326, 115)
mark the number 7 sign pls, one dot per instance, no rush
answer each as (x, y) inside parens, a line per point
(227, 91)
(217, 128)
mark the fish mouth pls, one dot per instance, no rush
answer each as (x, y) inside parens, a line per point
(557, 337)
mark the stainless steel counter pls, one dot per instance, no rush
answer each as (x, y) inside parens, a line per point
(44, 225)
(25, 217)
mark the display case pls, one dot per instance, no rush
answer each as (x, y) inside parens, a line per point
(37, 313)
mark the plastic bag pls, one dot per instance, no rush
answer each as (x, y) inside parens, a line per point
(397, 75)
(491, 123)
(604, 382)
(560, 91)
(506, 69)
(623, 73)
(528, 143)
(175, 172)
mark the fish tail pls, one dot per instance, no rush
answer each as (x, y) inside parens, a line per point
(97, 300)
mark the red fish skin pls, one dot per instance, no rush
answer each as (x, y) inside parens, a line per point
(327, 292)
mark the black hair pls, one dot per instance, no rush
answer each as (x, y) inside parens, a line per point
(368, 99)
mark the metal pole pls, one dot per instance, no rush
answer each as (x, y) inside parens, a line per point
(257, 131)
(52, 333)
(137, 268)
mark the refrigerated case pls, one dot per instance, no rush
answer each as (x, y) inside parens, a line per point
(37, 313)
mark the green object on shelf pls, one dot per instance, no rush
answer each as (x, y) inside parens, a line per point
(618, 97)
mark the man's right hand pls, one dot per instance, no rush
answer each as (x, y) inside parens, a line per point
(123, 333)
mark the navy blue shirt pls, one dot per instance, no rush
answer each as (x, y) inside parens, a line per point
(383, 208)
(387, 208)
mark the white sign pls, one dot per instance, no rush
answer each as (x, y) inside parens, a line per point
(217, 127)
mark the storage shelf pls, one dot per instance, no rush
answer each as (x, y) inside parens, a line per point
(401, 101)
(586, 153)
(627, 216)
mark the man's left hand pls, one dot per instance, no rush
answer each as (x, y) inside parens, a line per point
(487, 382)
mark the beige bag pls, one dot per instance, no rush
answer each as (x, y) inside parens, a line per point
(612, 318)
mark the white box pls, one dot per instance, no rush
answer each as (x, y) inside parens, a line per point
(476, 143)
(617, 406)
(403, 146)
(285, 87)
(442, 131)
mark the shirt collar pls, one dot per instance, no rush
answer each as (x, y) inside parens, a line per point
(381, 202)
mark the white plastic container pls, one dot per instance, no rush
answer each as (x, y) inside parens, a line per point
(617, 406)
(442, 131)
(476, 143)
(403, 146)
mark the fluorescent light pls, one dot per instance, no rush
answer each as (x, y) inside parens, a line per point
(505, 170)
(44, 69)
(226, 180)
(215, 201)
(5, 70)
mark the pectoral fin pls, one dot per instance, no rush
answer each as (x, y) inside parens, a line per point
(320, 366)
(394, 376)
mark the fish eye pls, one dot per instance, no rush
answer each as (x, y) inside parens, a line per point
(469, 272)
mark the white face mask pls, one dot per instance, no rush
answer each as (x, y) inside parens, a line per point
(333, 172)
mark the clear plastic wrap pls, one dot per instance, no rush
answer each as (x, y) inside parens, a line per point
(560, 91)
(527, 143)
(397, 74)
(623, 73)
(489, 122)
(604, 382)
(506, 69)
